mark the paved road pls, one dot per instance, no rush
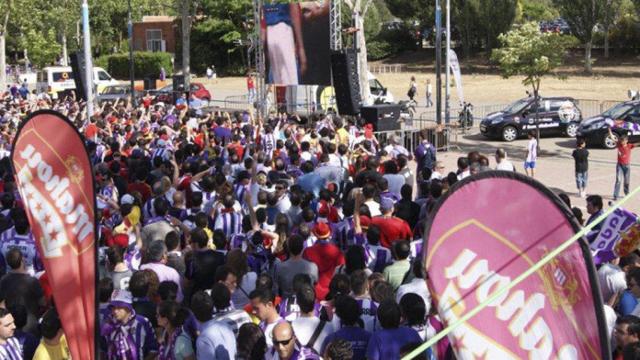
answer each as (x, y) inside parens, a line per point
(555, 166)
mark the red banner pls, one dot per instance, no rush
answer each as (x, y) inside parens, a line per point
(55, 180)
(487, 231)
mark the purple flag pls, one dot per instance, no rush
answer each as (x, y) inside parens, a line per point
(603, 242)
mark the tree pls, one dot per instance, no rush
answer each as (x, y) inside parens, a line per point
(609, 18)
(528, 52)
(5, 8)
(582, 16)
(42, 47)
(496, 17)
(465, 15)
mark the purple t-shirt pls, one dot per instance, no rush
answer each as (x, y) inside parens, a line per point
(358, 337)
(386, 343)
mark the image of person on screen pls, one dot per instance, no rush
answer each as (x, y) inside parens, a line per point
(315, 32)
(284, 43)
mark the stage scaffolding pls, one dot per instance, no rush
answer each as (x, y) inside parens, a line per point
(335, 38)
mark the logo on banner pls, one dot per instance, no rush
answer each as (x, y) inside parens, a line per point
(474, 250)
(45, 190)
(519, 309)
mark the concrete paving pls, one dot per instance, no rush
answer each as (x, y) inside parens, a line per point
(555, 166)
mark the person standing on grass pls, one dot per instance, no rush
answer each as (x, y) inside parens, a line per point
(581, 157)
(429, 93)
(623, 169)
(532, 154)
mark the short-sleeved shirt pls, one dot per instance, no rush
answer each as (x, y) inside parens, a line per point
(624, 154)
(52, 352)
(386, 344)
(581, 158)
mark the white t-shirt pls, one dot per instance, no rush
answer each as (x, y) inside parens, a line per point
(612, 280)
(304, 327)
(532, 148)
(505, 165)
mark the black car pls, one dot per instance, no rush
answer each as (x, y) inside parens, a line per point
(556, 115)
(622, 119)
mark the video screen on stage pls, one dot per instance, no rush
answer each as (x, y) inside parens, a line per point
(296, 43)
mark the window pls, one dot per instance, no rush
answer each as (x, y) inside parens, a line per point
(103, 76)
(154, 40)
(62, 76)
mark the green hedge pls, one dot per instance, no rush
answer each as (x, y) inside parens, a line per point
(146, 64)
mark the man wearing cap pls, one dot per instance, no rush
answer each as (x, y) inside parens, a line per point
(126, 334)
(325, 255)
(391, 228)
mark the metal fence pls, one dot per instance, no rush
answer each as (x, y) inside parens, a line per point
(387, 68)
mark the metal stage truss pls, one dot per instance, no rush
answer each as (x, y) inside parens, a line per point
(335, 38)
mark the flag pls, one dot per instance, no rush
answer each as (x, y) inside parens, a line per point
(55, 180)
(618, 236)
(488, 230)
(454, 64)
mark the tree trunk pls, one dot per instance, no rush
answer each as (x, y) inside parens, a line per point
(3, 52)
(606, 42)
(363, 68)
(3, 62)
(186, 41)
(65, 55)
(587, 57)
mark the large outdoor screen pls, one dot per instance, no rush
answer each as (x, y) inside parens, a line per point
(296, 43)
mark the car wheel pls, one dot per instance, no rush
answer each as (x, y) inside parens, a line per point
(610, 141)
(572, 130)
(509, 133)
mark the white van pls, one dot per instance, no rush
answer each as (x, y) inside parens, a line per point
(325, 95)
(58, 79)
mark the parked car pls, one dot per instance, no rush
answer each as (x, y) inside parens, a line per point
(622, 119)
(114, 93)
(556, 115)
(166, 94)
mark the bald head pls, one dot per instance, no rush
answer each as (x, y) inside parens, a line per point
(282, 331)
(284, 340)
(178, 198)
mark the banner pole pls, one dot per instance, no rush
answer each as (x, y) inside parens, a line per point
(520, 278)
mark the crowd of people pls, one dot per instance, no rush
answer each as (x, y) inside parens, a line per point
(229, 236)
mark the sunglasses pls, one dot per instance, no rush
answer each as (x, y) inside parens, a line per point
(282, 342)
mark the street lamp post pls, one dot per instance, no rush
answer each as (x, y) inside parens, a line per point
(87, 58)
(447, 97)
(131, 64)
(438, 63)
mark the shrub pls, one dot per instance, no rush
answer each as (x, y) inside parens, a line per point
(377, 50)
(146, 64)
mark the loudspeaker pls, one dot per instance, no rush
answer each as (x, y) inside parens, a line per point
(344, 68)
(178, 83)
(149, 83)
(78, 66)
(384, 117)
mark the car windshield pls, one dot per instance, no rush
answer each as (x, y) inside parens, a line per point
(617, 111)
(115, 90)
(517, 106)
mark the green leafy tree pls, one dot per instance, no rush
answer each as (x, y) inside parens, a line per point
(611, 14)
(465, 16)
(582, 16)
(536, 10)
(43, 47)
(528, 52)
(496, 17)
(5, 9)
